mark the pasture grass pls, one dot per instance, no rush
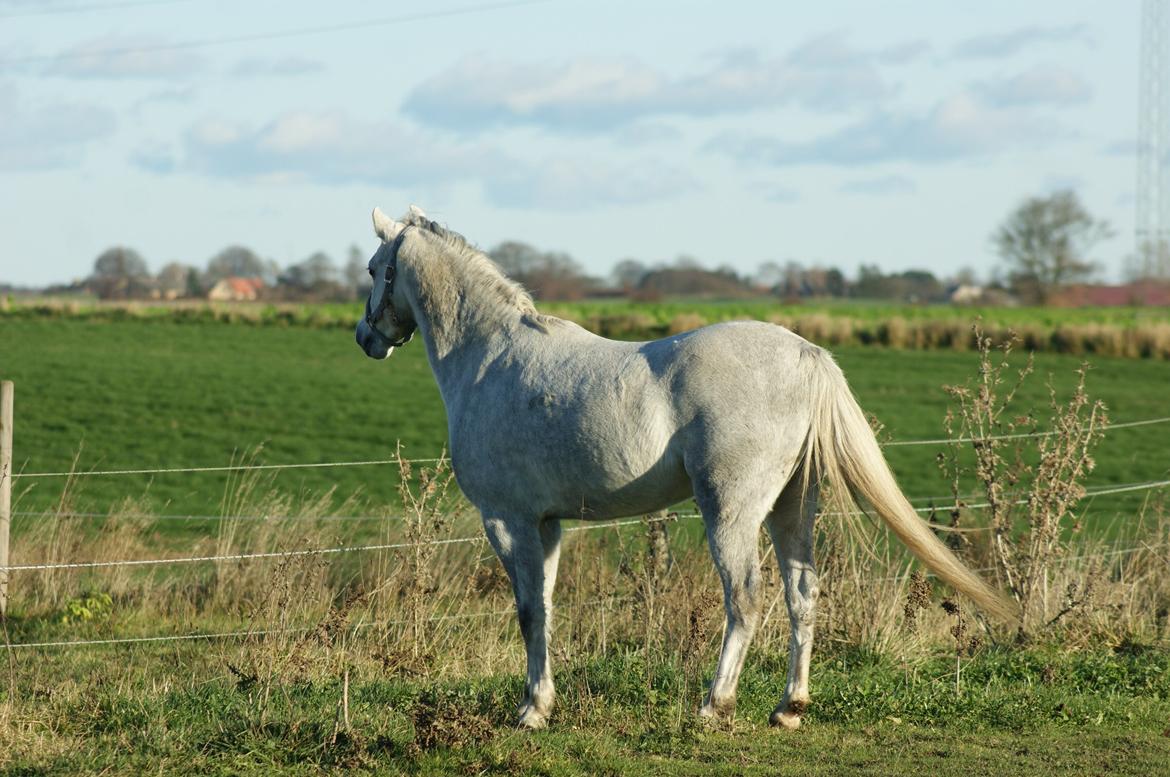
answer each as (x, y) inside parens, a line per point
(399, 663)
(151, 394)
(192, 709)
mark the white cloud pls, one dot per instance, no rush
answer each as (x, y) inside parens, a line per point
(1128, 147)
(279, 67)
(1057, 182)
(591, 94)
(568, 184)
(904, 53)
(333, 148)
(775, 192)
(886, 184)
(957, 128)
(645, 133)
(155, 157)
(179, 95)
(48, 134)
(118, 56)
(330, 147)
(1006, 44)
(1040, 85)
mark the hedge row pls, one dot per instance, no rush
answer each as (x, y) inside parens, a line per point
(1145, 339)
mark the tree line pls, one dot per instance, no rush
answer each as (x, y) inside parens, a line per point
(122, 273)
(1045, 243)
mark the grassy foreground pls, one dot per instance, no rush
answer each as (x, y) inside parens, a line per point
(194, 710)
(407, 660)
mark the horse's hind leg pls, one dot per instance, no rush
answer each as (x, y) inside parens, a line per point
(791, 525)
(732, 531)
(530, 551)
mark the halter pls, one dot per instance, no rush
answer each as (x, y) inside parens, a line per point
(383, 291)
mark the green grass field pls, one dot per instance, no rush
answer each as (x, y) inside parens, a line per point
(1034, 712)
(130, 395)
(355, 689)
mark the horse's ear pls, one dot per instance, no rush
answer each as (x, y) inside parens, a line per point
(385, 227)
(417, 211)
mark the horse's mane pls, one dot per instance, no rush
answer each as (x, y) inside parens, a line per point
(482, 274)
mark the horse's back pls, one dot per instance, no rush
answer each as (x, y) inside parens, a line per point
(632, 420)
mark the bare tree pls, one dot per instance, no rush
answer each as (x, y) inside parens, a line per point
(239, 262)
(316, 270)
(769, 275)
(120, 262)
(119, 272)
(1046, 243)
(628, 273)
(356, 273)
(548, 275)
(174, 279)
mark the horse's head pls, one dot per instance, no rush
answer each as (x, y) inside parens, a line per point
(388, 322)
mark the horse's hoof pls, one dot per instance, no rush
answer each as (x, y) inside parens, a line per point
(532, 719)
(713, 711)
(785, 720)
(788, 715)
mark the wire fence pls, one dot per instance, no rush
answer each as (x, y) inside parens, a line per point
(1147, 486)
(287, 553)
(939, 504)
(246, 633)
(946, 503)
(432, 460)
(253, 633)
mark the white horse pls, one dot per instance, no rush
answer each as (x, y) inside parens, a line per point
(548, 421)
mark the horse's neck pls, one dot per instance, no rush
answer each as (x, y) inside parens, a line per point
(461, 330)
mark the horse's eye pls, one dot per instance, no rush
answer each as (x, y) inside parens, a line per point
(371, 272)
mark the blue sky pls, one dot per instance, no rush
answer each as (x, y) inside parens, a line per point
(835, 133)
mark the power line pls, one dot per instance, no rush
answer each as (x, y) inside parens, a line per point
(78, 9)
(284, 34)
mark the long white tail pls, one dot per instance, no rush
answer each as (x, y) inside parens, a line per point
(841, 446)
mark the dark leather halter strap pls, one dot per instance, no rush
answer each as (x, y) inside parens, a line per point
(383, 292)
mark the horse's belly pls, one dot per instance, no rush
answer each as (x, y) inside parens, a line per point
(612, 471)
(607, 471)
(636, 498)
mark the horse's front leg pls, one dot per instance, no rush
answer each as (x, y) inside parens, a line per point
(529, 550)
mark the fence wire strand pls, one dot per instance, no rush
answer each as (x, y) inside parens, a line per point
(457, 540)
(286, 553)
(290, 630)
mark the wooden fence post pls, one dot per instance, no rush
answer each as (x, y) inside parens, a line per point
(6, 391)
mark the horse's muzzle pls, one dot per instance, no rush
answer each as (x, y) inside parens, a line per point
(373, 342)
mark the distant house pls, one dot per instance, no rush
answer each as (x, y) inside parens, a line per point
(234, 289)
(1150, 293)
(966, 294)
